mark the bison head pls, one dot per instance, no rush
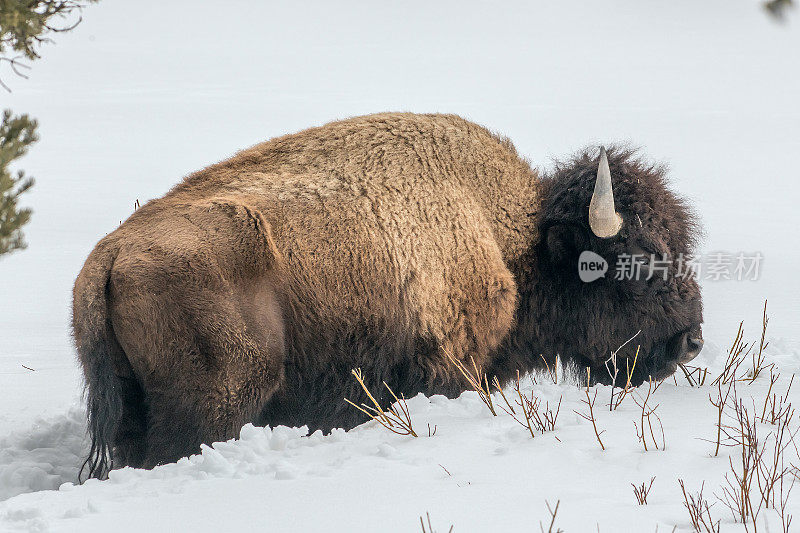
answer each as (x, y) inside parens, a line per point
(614, 209)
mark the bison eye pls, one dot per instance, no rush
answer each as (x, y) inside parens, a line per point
(640, 261)
(640, 256)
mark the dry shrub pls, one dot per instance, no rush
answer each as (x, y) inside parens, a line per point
(699, 511)
(776, 407)
(738, 354)
(741, 351)
(535, 417)
(774, 477)
(737, 492)
(642, 491)
(760, 476)
(695, 375)
(396, 418)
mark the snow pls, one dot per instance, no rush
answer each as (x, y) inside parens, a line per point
(467, 468)
(143, 93)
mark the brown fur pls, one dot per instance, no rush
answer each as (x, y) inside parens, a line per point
(250, 290)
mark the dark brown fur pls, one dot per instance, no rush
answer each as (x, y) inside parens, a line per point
(249, 292)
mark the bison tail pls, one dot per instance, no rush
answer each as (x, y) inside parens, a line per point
(97, 350)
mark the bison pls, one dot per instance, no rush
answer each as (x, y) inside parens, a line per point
(389, 243)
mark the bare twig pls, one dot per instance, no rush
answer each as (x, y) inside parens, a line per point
(430, 527)
(16, 67)
(735, 358)
(535, 418)
(740, 351)
(590, 401)
(553, 513)
(699, 511)
(776, 407)
(719, 403)
(772, 469)
(647, 415)
(641, 491)
(757, 358)
(695, 375)
(496, 383)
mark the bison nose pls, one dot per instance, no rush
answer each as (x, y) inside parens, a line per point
(691, 344)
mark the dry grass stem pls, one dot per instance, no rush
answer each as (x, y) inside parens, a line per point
(552, 373)
(396, 418)
(612, 368)
(477, 380)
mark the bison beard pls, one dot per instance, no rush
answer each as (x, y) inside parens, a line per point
(250, 290)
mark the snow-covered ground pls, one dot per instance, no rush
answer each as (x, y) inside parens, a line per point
(467, 469)
(145, 92)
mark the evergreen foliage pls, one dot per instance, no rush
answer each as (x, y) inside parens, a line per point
(26, 24)
(17, 133)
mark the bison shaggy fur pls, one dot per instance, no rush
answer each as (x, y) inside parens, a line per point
(251, 290)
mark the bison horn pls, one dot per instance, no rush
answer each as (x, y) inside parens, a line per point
(603, 218)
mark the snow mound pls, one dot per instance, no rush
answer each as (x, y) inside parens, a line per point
(45, 456)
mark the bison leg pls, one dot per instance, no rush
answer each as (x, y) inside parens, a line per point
(130, 441)
(206, 362)
(199, 321)
(182, 416)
